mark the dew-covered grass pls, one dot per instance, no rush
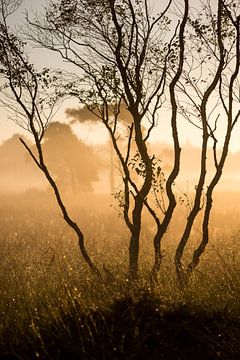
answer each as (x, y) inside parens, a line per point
(52, 307)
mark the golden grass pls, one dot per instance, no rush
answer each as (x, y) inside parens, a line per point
(42, 275)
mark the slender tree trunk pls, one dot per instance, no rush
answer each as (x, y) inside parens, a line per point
(162, 228)
(134, 252)
(139, 197)
(70, 222)
(111, 168)
(205, 234)
(181, 272)
(67, 218)
(190, 221)
(157, 255)
(209, 200)
(134, 240)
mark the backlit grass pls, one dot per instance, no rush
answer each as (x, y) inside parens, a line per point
(52, 307)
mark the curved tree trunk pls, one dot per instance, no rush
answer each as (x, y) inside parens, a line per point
(205, 234)
(157, 256)
(162, 228)
(67, 218)
(180, 270)
(209, 200)
(191, 218)
(231, 121)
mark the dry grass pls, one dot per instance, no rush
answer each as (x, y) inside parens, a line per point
(48, 296)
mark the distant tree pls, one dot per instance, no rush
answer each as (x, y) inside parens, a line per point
(12, 154)
(15, 164)
(73, 163)
(85, 115)
(30, 98)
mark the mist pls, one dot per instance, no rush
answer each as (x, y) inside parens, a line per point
(120, 216)
(82, 168)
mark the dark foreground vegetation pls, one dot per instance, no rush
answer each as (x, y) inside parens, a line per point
(132, 328)
(52, 307)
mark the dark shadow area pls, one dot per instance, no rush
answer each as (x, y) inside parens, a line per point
(133, 329)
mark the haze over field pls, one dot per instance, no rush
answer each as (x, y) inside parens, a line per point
(120, 179)
(20, 174)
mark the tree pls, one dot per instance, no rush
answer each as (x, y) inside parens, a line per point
(121, 52)
(27, 93)
(213, 47)
(15, 164)
(84, 115)
(67, 156)
(124, 55)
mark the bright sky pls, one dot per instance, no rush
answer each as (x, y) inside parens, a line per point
(88, 134)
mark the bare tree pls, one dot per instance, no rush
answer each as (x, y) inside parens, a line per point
(228, 35)
(121, 51)
(162, 226)
(84, 115)
(213, 49)
(125, 56)
(28, 94)
(133, 88)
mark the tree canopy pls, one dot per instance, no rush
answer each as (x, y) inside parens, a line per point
(73, 163)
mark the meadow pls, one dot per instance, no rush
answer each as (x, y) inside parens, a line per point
(52, 307)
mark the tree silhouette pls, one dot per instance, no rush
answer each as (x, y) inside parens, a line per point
(121, 53)
(210, 75)
(129, 66)
(84, 115)
(15, 164)
(27, 93)
(73, 163)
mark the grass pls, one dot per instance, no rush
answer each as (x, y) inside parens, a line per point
(51, 307)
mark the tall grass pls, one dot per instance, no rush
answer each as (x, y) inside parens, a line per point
(48, 296)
